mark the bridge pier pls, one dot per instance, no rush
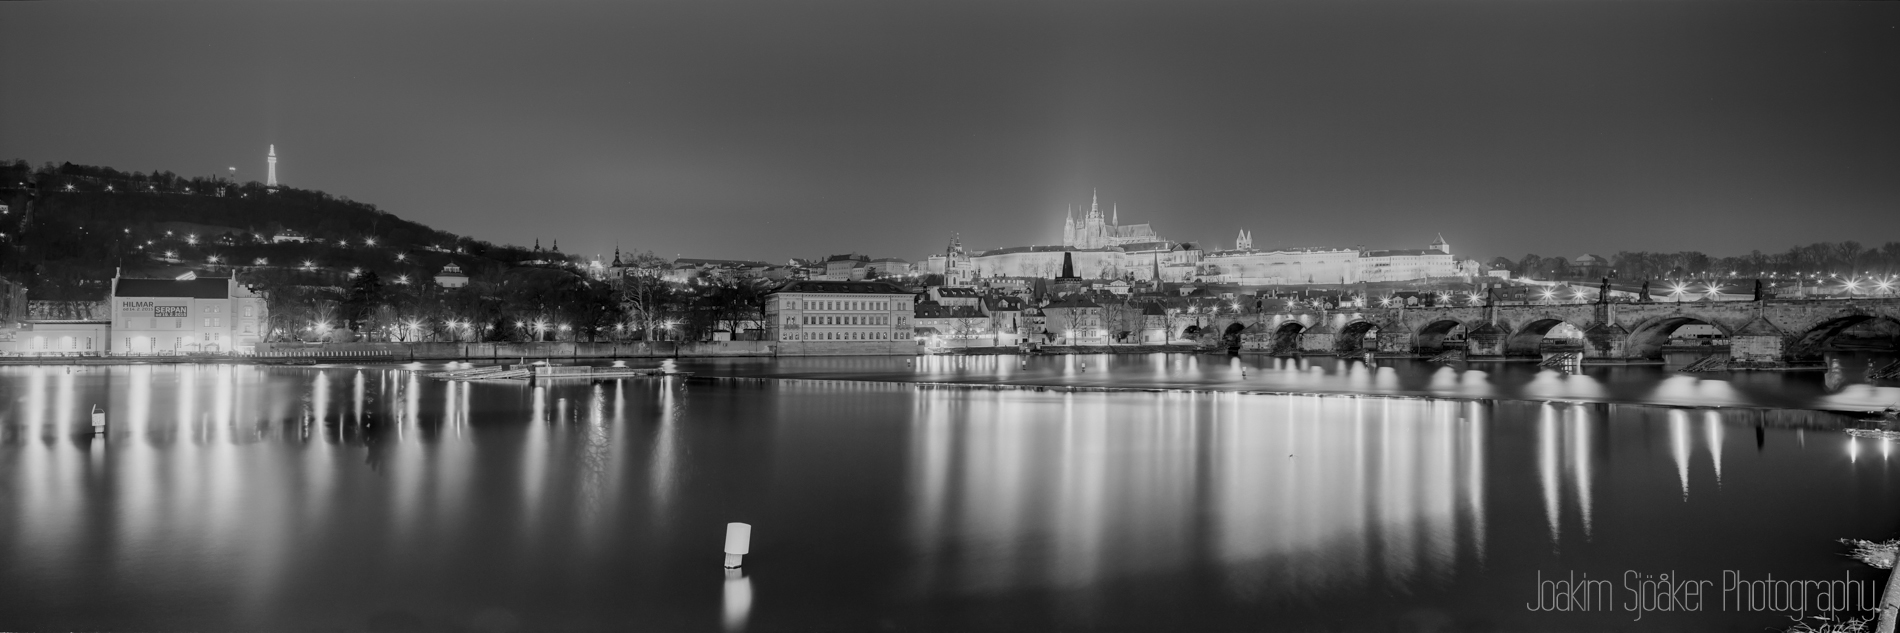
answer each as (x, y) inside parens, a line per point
(1395, 343)
(1486, 340)
(1606, 340)
(1319, 339)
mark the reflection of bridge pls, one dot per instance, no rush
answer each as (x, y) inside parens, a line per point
(1771, 330)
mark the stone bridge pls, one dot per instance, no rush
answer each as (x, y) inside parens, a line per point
(1765, 331)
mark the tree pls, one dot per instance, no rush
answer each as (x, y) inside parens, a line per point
(646, 297)
(1529, 266)
(366, 295)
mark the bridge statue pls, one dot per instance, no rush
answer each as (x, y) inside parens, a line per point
(1645, 298)
(1758, 290)
(1603, 291)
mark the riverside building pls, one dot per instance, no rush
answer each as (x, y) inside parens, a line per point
(176, 316)
(812, 318)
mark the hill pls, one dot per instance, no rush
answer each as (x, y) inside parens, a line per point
(68, 227)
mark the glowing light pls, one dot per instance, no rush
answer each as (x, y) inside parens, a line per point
(213, 259)
(262, 261)
(369, 241)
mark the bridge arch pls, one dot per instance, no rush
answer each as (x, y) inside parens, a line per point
(1286, 338)
(1535, 338)
(1438, 336)
(1647, 338)
(1814, 341)
(1353, 336)
(1231, 336)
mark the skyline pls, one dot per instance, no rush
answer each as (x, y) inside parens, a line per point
(828, 128)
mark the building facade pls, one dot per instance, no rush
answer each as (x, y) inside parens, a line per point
(176, 316)
(809, 318)
(1098, 231)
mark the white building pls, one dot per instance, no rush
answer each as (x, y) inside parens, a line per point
(452, 277)
(173, 316)
(839, 318)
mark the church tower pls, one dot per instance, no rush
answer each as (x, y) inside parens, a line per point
(1068, 228)
(1440, 245)
(270, 179)
(1244, 242)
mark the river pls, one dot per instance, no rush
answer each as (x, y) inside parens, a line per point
(932, 494)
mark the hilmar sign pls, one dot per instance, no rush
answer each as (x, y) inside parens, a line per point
(141, 308)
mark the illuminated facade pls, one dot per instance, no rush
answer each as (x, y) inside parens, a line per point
(1099, 231)
(839, 318)
(175, 316)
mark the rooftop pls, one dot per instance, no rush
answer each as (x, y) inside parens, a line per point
(208, 288)
(854, 287)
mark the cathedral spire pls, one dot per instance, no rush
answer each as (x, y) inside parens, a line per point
(1116, 209)
(1094, 209)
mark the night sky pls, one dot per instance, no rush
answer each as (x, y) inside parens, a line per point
(772, 130)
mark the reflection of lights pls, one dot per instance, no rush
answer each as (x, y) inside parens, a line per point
(736, 600)
(1853, 448)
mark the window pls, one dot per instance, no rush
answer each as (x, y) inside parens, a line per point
(247, 310)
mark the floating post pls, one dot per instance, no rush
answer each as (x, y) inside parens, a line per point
(738, 543)
(98, 420)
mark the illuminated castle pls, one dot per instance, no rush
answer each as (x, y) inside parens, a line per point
(1098, 231)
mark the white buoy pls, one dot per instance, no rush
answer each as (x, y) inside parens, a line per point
(98, 419)
(738, 543)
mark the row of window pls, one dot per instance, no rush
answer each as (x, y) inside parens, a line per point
(839, 336)
(176, 324)
(848, 320)
(840, 305)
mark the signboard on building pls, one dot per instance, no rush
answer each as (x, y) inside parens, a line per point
(150, 308)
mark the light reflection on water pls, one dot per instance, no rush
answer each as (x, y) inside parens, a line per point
(249, 497)
(1841, 387)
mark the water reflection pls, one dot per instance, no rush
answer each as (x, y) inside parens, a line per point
(255, 498)
(1304, 485)
(1843, 386)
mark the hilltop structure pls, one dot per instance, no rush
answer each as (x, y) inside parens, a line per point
(270, 178)
(1100, 247)
(1098, 231)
